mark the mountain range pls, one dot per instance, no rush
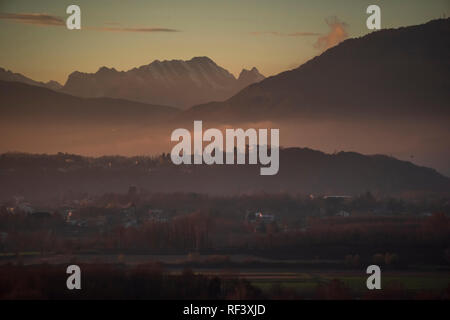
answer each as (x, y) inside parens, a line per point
(387, 92)
(29, 105)
(392, 72)
(8, 75)
(175, 83)
(302, 171)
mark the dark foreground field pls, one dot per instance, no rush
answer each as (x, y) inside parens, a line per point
(32, 276)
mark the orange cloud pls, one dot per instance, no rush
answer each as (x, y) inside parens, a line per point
(40, 19)
(119, 29)
(43, 19)
(337, 34)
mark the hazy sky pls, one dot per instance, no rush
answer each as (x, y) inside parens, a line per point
(273, 35)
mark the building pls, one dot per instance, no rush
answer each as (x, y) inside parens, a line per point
(257, 217)
(154, 215)
(260, 222)
(266, 218)
(343, 213)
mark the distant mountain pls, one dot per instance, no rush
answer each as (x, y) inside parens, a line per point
(29, 106)
(301, 171)
(176, 82)
(248, 77)
(392, 72)
(7, 75)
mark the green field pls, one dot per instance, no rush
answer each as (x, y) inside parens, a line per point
(307, 282)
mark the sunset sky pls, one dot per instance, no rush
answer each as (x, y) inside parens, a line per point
(272, 35)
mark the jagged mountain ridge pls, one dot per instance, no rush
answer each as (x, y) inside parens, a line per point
(8, 75)
(176, 82)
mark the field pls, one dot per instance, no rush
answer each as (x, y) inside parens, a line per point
(290, 278)
(356, 281)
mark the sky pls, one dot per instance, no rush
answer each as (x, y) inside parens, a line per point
(273, 36)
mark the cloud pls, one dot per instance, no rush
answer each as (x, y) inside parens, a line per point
(337, 34)
(119, 29)
(43, 19)
(303, 34)
(281, 34)
(40, 19)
